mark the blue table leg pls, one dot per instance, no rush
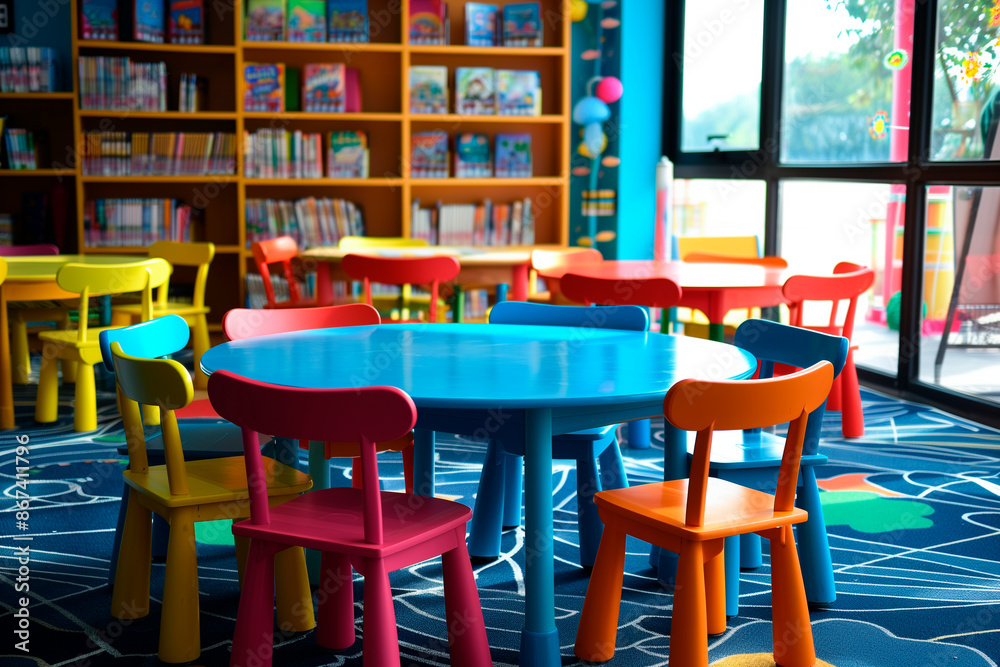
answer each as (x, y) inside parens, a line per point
(638, 434)
(423, 462)
(539, 639)
(513, 484)
(674, 467)
(501, 292)
(319, 470)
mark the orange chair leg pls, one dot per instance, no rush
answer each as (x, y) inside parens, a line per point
(293, 596)
(253, 641)
(381, 641)
(715, 591)
(689, 623)
(335, 620)
(852, 414)
(598, 630)
(408, 468)
(792, 633)
(180, 628)
(130, 597)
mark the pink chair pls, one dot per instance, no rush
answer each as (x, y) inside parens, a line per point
(402, 271)
(373, 531)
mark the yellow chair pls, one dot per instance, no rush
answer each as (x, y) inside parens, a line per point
(198, 255)
(81, 345)
(183, 493)
(3, 270)
(721, 249)
(362, 243)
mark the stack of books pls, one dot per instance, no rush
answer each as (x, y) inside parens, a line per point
(478, 91)
(429, 155)
(135, 222)
(21, 153)
(118, 84)
(158, 153)
(484, 224)
(307, 20)
(311, 222)
(269, 153)
(27, 69)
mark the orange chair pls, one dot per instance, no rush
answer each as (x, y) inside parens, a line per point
(281, 250)
(542, 260)
(402, 271)
(692, 517)
(848, 282)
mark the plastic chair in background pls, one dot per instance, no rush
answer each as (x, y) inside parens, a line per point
(753, 458)
(196, 255)
(359, 244)
(403, 271)
(185, 492)
(542, 260)
(498, 500)
(692, 517)
(769, 262)
(848, 282)
(375, 532)
(726, 246)
(281, 250)
(81, 345)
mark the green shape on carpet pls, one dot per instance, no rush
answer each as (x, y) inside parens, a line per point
(868, 512)
(214, 532)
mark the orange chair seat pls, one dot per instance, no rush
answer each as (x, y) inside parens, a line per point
(216, 481)
(333, 520)
(730, 509)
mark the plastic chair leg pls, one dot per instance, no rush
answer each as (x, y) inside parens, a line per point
(814, 544)
(588, 521)
(689, 620)
(750, 553)
(598, 630)
(381, 642)
(638, 434)
(852, 416)
(792, 634)
(513, 489)
(293, 597)
(19, 355)
(161, 537)
(484, 529)
(335, 620)
(408, 469)
(833, 401)
(467, 640)
(253, 641)
(319, 470)
(47, 402)
(715, 594)
(200, 344)
(180, 628)
(241, 545)
(85, 403)
(130, 596)
(69, 371)
(732, 567)
(119, 527)
(612, 467)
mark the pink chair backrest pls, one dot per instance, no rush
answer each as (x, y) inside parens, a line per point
(848, 282)
(651, 292)
(28, 250)
(241, 323)
(366, 415)
(280, 250)
(402, 271)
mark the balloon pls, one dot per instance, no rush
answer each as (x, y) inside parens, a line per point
(577, 10)
(609, 89)
(590, 110)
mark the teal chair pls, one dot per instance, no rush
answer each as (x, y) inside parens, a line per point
(498, 501)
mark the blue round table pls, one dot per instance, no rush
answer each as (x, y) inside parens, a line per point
(512, 382)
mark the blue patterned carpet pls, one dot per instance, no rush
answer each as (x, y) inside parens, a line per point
(913, 508)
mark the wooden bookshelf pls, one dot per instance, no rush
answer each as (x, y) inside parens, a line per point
(386, 197)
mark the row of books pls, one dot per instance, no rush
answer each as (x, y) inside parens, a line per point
(20, 146)
(158, 153)
(29, 69)
(478, 91)
(307, 20)
(521, 24)
(271, 153)
(191, 96)
(155, 21)
(326, 87)
(135, 222)
(311, 222)
(118, 84)
(475, 224)
(6, 229)
(429, 155)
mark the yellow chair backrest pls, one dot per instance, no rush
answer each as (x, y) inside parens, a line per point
(352, 243)
(730, 246)
(185, 254)
(3, 269)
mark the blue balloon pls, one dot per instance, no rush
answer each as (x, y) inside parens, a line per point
(593, 138)
(590, 110)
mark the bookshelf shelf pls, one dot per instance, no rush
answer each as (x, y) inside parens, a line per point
(154, 115)
(487, 182)
(554, 119)
(63, 95)
(333, 182)
(37, 172)
(337, 47)
(159, 48)
(460, 50)
(218, 178)
(313, 115)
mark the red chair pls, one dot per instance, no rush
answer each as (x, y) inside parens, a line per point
(545, 260)
(373, 531)
(281, 250)
(848, 282)
(650, 292)
(402, 271)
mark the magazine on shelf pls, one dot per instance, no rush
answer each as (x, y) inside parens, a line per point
(265, 20)
(264, 87)
(348, 155)
(513, 156)
(429, 156)
(306, 21)
(428, 22)
(428, 89)
(99, 19)
(472, 156)
(519, 93)
(475, 91)
(325, 87)
(347, 20)
(522, 24)
(480, 24)
(148, 22)
(186, 22)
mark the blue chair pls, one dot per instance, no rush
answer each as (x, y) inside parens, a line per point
(203, 438)
(498, 500)
(752, 458)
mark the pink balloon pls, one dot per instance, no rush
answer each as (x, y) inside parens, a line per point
(609, 89)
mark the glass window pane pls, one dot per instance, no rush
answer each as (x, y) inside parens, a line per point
(826, 222)
(707, 207)
(968, 359)
(964, 109)
(846, 91)
(722, 60)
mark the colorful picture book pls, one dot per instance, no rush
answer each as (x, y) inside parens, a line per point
(99, 19)
(480, 24)
(347, 20)
(429, 155)
(306, 21)
(428, 89)
(325, 87)
(472, 156)
(187, 22)
(513, 156)
(148, 22)
(347, 156)
(519, 93)
(522, 24)
(428, 22)
(475, 92)
(265, 20)
(264, 87)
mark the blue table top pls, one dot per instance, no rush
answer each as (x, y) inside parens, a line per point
(484, 365)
